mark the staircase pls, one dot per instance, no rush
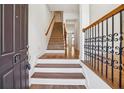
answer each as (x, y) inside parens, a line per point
(56, 41)
(58, 74)
(54, 69)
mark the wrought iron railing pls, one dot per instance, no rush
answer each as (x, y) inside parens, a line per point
(104, 47)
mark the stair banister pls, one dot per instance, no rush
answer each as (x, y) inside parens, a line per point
(104, 48)
(50, 26)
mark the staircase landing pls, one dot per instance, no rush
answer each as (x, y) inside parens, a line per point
(69, 54)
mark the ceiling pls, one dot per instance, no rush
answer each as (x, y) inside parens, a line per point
(69, 8)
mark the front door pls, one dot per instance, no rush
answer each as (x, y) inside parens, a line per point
(13, 46)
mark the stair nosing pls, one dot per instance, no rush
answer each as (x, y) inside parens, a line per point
(58, 66)
(48, 85)
(81, 76)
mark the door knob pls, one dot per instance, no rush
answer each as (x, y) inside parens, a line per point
(16, 58)
(28, 66)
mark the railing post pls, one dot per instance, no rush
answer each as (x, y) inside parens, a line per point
(98, 48)
(102, 52)
(86, 45)
(95, 48)
(112, 51)
(106, 48)
(90, 46)
(120, 51)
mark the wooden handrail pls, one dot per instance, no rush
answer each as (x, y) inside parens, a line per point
(110, 14)
(50, 25)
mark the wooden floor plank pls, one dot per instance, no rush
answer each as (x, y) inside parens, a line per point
(58, 66)
(38, 86)
(58, 75)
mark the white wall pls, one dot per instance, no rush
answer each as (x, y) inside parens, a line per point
(89, 13)
(39, 19)
(70, 16)
(84, 21)
(99, 10)
(74, 16)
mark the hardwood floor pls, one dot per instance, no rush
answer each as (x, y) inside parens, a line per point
(38, 86)
(58, 75)
(69, 54)
(58, 66)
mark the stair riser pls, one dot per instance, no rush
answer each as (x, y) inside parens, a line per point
(58, 61)
(59, 70)
(55, 51)
(58, 81)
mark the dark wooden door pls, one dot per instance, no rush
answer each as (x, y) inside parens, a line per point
(0, 39)
(24, 45)
(13, 46)
(7, 47)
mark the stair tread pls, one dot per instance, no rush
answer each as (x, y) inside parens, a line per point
(53, 45)
(44, 86)
(58, 75)
(58, 66)
(55, 48)
(56, 36)
(56, 42)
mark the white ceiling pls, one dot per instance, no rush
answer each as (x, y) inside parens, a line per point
(69, 8)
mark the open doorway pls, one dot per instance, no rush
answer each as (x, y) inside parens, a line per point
(71, 38)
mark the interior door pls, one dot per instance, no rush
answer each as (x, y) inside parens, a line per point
(0, 40)
(24, 46)
(7, 47)
(17, 65)
(13, 46)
